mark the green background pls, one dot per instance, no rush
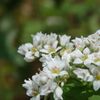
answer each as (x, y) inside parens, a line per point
(19, 19)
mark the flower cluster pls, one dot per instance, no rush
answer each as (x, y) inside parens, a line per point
(61, 57)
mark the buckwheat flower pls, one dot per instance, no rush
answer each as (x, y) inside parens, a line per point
(94, 40)
(45, 82)
(41, 78)
(83, 74)
(58, 93)
(31, 50)
(67, 57)
(54, 66)
(32, 89)
(96, 58)
(79, 43)
(51, 44)
(49, 87)
(28, 51)
(40, 85)
(94, 37)
(23, 49)
(96, 73)
(66, 45)
(95, 46)
(76, 53)
(82, 57)
(64, 39)
(38, 40)
(93, 58)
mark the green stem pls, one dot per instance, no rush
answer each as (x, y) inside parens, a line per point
(45, 97)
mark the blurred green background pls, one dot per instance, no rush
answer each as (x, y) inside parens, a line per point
(19, 19)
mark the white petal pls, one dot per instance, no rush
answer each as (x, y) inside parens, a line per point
(44, 50)
(36, 54)
(78, 61)
(63, 73)
(58, 93)
(36, 98)
(29, 57)
(96, 85)
(83, 74)
(23, 49)
(86, 51)
(76, 53)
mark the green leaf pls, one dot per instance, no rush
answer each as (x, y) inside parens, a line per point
(94, 97)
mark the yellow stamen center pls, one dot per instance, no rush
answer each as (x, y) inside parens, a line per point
(97, 60)
(65, 50)
(35, 93)
(51, 50)
(84, 57)
(34, 49)
(98, 76)
(55, 70)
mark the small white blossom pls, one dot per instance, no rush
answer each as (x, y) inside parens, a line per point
(28, 51)
(32, 89)
(54, 66)
(82, 57)
(96, 58)
(51, 44)
(23, 49)
(79, 43)
(66, 45)
(83, 74)
(58, 93)
(94, 40)
(96, 73)
(76, 53)
(64, 40)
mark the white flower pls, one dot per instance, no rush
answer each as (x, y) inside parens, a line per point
(83, 74)
(29, 57)
(96, 73)
(40, 85)
(58, 93)
(23, 49)
(96, 58)
(82, 57)
(94, 40)
(67, 57)
(28, 84)
(93, 58)
(41, 78)
(79, 43)
(45, 82)
(94, 37)
(51, 44)
(36, 98)
(64, 40)
(66, 45)
(96, 85)
(29, 51)
(32, 89)
(38, 40)
(86, 57)
(49, 87)
(76, 53)
(54, 66)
